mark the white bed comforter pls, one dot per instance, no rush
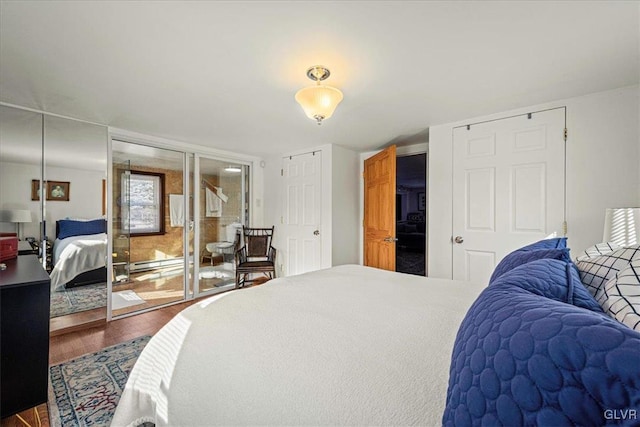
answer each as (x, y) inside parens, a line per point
(350, 345)
(76, 255)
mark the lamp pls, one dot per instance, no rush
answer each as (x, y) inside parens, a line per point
(18, 216)
(622, 226)
(319, 101)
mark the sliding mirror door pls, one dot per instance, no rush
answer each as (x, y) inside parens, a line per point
(223, 195)
(148, 227)
(74, 200)
(20, 175)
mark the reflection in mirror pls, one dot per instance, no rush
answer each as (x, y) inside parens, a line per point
(75, 166)
(20, 162)
(148, 256)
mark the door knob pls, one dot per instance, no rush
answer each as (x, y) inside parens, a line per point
(316, 233)
(458, 239)
(390, 239)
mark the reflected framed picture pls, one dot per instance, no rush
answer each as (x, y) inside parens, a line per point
(55, 190)
(58, 190)
(422, 201)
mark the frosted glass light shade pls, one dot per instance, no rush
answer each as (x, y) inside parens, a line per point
(319, 102)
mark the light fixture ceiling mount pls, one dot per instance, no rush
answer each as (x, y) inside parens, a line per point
(319, 101)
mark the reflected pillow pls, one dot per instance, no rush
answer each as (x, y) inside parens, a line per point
(70, 228)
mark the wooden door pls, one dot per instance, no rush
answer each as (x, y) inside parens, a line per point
(380, 210)
(508, 189)
(302, 210)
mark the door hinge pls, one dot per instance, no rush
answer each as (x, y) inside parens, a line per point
(566, 134)
(281, 172)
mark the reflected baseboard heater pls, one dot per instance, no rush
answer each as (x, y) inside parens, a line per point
(154, 264)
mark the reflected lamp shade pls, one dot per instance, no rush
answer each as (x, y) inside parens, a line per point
(15, 215)
(622, 226)
(319, 102)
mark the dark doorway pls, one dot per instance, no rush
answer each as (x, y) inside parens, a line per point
(411, 214)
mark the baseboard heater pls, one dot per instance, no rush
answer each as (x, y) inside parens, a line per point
(154, 264)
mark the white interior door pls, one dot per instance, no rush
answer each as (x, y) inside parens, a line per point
(508, 189)
(302, 190)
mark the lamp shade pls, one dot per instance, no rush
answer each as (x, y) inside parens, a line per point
(319, 102)
(15, 215)
(622, 226)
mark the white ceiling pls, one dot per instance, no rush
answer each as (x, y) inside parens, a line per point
(224, 74)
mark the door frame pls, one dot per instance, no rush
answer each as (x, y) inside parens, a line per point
(401, 151)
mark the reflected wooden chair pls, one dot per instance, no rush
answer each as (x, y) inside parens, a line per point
(256, 255)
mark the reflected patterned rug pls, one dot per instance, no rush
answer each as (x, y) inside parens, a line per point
(78, 299)
(86, 390)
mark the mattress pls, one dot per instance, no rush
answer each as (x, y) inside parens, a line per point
(349, 345)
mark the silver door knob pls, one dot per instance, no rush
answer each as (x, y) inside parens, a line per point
(316, 233)
(390, 239)
(458, 239)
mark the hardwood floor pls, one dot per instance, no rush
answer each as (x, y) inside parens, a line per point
(73, 344)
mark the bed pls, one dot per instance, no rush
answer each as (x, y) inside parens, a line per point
(347, 345)
(79, 254)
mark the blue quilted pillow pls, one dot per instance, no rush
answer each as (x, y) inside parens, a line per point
(69, 228)
(554, 243)
(519, 257)
(552, 278)
(521, 359)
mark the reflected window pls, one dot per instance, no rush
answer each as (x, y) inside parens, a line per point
(144, 194)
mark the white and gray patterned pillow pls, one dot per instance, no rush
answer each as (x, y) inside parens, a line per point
(620, 296)
(597, 250)
(596, 271)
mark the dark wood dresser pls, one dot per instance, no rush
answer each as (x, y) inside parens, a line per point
(24, 335)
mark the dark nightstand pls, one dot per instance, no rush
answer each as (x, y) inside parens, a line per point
(25, 248)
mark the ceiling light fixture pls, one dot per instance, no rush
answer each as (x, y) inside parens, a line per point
(234, 169)
(319, 101)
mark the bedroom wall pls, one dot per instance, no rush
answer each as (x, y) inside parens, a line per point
(85, 194)
(603, 158)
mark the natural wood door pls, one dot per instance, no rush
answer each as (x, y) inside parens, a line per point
(380, 210)
(508, 189)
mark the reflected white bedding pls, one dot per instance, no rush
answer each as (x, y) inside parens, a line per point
(349, 345)
(76, 255)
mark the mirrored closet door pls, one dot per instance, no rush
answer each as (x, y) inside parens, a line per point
(54, 170)
(149, 211)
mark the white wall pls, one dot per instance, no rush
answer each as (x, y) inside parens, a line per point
(345, 192)
(85, 195)
(603, 158)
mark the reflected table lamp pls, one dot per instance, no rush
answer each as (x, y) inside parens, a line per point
(622, 226)
(18, 216)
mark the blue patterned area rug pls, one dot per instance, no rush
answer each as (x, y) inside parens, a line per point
(86, 390)
(80, 298)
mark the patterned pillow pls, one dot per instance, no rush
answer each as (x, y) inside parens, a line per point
(597, 250)
(596, 271)
(620, 296)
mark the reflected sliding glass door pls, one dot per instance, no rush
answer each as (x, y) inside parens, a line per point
(221, 195)
(149, 212)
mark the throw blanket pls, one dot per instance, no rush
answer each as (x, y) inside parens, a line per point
(76, 255)
(350, 345)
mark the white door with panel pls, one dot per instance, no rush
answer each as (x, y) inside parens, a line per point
(302, 210)
(508, 189)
